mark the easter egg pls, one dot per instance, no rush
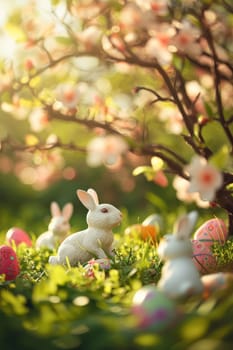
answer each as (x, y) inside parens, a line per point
(152, 309)
(18, 236)
(213, 229)
(103, 263)
(216, 282)
(149, 229)
(153, 219)
(203, 257)
(145, 232)
(9, 265)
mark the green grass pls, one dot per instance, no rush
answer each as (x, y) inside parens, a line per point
(64, 308)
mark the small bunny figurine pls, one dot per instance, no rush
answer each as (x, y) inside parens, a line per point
(58, 227)
(180, 277)
(95, 241)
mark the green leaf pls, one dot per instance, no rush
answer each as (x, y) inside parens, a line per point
(13, 303)
(214, 136)
(15, 32)
(141, 170)
(64, 40)
(157, 163)
(221, 158)
(149, 175)
(209, 110)
(157, 201)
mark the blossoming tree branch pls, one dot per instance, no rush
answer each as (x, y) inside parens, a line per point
(113, 79)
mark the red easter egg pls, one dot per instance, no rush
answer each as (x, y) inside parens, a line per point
(203, 257)
(214, 229)
(18, 236)
(9, 264)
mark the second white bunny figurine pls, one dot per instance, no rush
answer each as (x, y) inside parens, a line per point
(58, 228)
(95, 241)
(180, 278)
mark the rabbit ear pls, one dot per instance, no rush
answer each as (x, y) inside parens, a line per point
(185, 224)
(94, 195)
(86, 199)
(67, 211)
(193, 216)
(55, 209)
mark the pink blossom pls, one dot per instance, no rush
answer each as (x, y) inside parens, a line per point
(181, 186)
(186, 40)
(159, 7)
(131, 17)
(172, 119)
(156, 48)
(68, 95)
(161, 179)
(38, 120)
(105, 150)
(158, 45)
(90, 37)
(204, 178)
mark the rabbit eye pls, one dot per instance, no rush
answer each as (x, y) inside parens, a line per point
(104, 210)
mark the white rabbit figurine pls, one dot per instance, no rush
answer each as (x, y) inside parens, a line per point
(180, 278)
(58, 228)
(95, 241)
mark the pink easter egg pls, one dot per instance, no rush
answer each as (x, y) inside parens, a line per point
(203, 257)
(9, 264)
(214, 229)
(153, 310)
(104, 264)
(18, 236)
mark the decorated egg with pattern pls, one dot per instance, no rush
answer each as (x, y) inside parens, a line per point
(17, 236)
(9, 264)
(203, 257)
(213, 229)
(153, 310)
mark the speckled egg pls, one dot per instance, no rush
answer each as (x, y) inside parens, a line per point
(18, 236)
(203, 257)
(153, 310)
(213, 229)
(9, 265)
